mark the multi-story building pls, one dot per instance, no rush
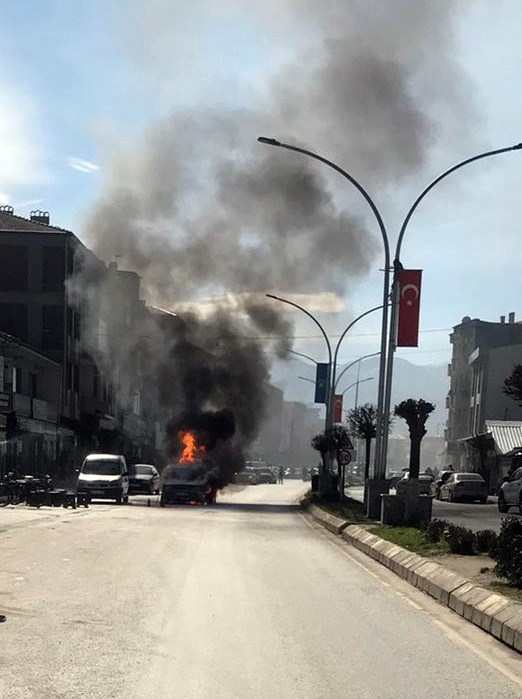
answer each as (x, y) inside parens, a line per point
(484, 354)
(29, 400)
(36, 306)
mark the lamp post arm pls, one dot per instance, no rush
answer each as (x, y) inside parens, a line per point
(343, 335)
(356, 383)
(442, 176)
(306, 356)
(312, 317)
(366, 356)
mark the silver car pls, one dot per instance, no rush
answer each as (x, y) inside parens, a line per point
(510, 494)
(464, 486)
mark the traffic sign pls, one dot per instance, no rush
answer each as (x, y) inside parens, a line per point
(344, 457)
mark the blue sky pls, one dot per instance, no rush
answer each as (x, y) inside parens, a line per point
(81, 80)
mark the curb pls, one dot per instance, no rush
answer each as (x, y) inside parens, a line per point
(492, 612)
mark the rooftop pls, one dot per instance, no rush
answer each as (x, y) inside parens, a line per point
(10, 222)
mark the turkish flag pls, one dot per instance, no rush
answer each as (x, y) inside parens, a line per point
(409, 281)
(338, 408)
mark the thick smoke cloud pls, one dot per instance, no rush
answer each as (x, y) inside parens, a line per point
(198, 208)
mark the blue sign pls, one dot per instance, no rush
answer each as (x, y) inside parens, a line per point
(321, 383)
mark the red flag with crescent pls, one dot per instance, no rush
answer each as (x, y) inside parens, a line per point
(338, 408)
(409, 281)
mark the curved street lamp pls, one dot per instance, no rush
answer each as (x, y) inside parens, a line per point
(301, 354)
(356, 383)
(328, 346)
(387, 331)
(343, 372)
(386, 269)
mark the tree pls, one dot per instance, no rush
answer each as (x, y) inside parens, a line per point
(320, 444)
(332, 441)
(513, 384)
(362, 423)
(415, 413)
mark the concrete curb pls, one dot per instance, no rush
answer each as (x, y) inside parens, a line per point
(492, 612)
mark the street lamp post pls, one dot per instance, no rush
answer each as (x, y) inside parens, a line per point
(395, 291)
(386, 282)
(387, 330)
(328, 346)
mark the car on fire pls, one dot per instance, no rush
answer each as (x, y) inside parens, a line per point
(189, 483)
(144, 478)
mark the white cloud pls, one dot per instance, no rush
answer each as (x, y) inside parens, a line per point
(83, 165)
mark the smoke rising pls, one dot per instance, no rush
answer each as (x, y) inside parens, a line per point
(198, 208)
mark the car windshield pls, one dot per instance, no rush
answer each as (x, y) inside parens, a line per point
(141, 470)
(469, 477)
(102, 467)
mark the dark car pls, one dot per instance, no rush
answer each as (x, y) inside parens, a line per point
(265, 475)
(144, 478)
(464, 486)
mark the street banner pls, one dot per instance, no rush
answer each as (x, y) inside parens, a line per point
(321, 383)
(338, 408)
(409, 281)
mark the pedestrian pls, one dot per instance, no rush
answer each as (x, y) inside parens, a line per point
(281, 474)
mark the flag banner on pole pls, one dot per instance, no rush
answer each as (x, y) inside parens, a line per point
(321, 383)
(409, 281)
(338, 408)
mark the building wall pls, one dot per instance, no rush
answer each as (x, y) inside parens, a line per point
(483, 356)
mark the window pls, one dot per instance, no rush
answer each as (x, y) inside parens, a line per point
(517, 475)
(53, 272)
(52, 327)
(13, 318)
(14, 268)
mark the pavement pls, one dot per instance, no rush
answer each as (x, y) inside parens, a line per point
(496, 614)
(247, 599)
(472, 515)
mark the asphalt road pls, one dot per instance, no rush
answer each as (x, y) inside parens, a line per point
(472, 515)
(247, 599)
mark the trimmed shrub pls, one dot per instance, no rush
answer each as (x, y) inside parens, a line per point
(486, 540)
(434, 530)
(460, 540)
(508, 551)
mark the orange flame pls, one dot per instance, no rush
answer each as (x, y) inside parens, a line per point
(190, 447)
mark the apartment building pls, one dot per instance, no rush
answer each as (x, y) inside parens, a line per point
(484, 354)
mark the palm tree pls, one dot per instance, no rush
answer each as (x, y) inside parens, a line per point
(415, 412)
(362, 422)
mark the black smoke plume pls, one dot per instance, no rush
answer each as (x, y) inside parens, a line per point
(201, 211)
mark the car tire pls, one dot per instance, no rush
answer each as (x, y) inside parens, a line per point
(451, 497)
(484, 500)
(502, 504)
(118, 500)
(125, 499)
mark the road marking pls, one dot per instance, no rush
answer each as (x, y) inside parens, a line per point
(501, 658)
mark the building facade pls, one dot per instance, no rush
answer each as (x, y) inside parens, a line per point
(484, 354)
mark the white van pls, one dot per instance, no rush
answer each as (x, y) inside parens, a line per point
(103, 477)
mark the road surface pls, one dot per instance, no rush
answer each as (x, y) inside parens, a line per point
(473, 515)
(247, 599)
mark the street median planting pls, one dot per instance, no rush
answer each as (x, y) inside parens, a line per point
(348, 509)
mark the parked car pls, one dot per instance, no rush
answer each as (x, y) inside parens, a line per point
(441, 478)
(265, 475)
(246, 476)
(425, 483)
(144, 478)
(510, 493)
(103, 477)
(464, 486)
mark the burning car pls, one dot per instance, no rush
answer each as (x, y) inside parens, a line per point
(192, 480)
